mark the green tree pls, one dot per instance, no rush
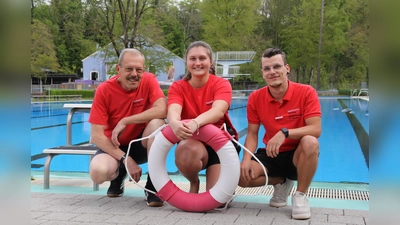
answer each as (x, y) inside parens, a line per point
(275, 14)
(67, 16)
(43, 54)
(352, 63)
(189, 16)
(344, 55)
(131, 24)
(167, 20)
(300, 39)
(229, 24)
(122, 22)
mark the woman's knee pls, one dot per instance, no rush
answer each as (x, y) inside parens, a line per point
(191, 155)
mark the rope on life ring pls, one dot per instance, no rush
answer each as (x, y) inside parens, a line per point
(227, 182)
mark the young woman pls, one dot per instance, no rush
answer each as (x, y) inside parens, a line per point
(201, 98)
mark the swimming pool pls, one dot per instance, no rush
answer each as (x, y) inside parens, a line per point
(344, 142)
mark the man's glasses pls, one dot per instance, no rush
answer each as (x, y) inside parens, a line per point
(139, 70)
(275, 67)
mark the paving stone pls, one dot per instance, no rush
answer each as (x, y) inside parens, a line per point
(246, 219)
(243, 211)
(346, 219)
(58, 216)
(326, 211)
(125, 219)
(37, 221)
(220, 217)
(74, 209)
(187, 221)
(91, 217)
(159, 220)
(350, 212)
(35, 215)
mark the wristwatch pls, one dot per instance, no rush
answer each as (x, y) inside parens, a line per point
(122, 159)
(285, 131)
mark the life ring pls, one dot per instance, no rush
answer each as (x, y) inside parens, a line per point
(221, 192)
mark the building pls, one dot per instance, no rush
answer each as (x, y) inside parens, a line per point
(99, 66)
(54, 78)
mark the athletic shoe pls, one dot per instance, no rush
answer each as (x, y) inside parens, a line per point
(153, 200)
(281, 193)
(116, 188)
(300, 207)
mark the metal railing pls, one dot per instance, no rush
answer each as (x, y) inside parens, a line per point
(235, 55)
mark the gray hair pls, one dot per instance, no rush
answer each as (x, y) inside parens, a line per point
(132, 51)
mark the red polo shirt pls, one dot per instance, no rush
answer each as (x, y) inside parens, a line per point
(111, 103)
(299, 103)
(195, 101)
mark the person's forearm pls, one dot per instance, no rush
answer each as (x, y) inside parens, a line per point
(251, 146)
(173, 116)
(106, 145)
(209, 117)
(246, 154)
(146, 116)
(300, 132)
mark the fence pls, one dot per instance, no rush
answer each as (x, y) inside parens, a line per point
(35, 89)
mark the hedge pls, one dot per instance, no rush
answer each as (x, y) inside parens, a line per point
(84, 93)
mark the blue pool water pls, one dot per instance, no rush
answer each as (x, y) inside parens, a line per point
(344, 143)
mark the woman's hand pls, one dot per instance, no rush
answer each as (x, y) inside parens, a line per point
(183, 130)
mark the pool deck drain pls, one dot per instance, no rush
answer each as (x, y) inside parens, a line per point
(313, 192)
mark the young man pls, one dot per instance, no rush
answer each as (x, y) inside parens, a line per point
(128, 106)
(291, 115)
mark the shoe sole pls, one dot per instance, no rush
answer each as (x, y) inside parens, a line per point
(302, 216)
(155, 204)
(114, 195)
(277, 205)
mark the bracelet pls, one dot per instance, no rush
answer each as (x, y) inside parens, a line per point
(198, 126)
(122, 159)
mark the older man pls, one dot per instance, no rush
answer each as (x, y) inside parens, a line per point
(126, 107)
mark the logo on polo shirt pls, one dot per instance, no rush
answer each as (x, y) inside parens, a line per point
(138, 102)
(292, 111)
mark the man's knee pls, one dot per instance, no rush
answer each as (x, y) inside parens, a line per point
(101, 171)
(309, 145)
(154, 124)
(243, 184)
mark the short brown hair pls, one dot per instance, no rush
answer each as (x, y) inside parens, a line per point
(269, 52)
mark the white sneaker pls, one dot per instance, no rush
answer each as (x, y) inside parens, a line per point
(300, 207)
(281, 193)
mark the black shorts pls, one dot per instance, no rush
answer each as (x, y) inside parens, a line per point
(213, 156)
(137, 152)
(280, 166)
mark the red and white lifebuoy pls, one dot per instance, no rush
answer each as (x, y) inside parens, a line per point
(222, 191)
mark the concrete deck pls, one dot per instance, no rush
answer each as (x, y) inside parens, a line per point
(73, 201)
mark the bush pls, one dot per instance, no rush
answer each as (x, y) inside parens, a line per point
(346, 92)
(165, 92)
